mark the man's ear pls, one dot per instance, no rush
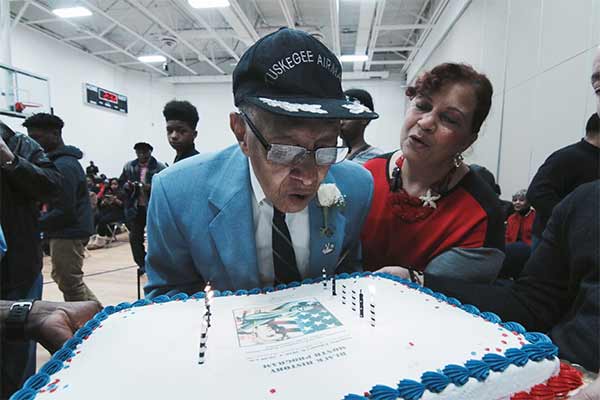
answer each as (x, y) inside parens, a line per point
(238, 127)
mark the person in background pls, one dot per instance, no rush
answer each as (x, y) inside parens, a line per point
(562, 172)
(27, 177)
(181, 119)
(429, 210)
(2, 244)
(89, 181)
(100, 185)
(488, 177)
(91, 170)
(68, 222)
(136, 180)
(520, 223)
(518, 236)
(558, 291)
(595, 79)
(353, 130)
(110, 211)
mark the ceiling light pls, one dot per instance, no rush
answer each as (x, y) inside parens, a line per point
(152, 59)
(209, 3)
(72, 12)
(354, 58)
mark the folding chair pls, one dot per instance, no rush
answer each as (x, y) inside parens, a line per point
(115, 228)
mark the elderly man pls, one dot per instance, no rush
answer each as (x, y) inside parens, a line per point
(249, 216)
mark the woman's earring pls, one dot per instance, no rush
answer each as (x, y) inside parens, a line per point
(458, 160)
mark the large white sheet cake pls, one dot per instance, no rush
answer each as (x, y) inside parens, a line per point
(299, 343)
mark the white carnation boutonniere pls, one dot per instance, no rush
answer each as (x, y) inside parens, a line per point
(329, 196)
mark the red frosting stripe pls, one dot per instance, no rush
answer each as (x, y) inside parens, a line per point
(521, 396)
(542, 392)
(559, 386)
(556, 387)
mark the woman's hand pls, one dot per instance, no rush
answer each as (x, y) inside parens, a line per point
(402, 273)
(397, 271)
(590, 392)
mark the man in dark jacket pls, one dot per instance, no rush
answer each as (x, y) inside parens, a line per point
(136, 179)
(568, 167)
(27, 176)
(68, 222)
(558, 291)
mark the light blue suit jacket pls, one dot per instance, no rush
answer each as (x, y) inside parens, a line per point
(201, 227)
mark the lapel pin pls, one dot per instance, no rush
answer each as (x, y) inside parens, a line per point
(328, 248)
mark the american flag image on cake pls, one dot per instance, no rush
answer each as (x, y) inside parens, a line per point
(290, 320)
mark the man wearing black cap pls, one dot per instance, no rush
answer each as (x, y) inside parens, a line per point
(181, 118)
(136, 179)
(68, 223)
(249, 216)
(353, 130)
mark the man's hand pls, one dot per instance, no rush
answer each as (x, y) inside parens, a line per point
(5, 154)
(590, 392)
(53, 323)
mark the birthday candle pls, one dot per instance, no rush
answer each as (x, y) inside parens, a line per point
(343, 293)
(333, 288)
(361, 304)
(203, 340)
(353, 300)
(207, 291)
(324, 271)
(208, 298)
(372, 305)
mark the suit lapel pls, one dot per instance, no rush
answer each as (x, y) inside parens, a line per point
(232, 228)
(325, 251)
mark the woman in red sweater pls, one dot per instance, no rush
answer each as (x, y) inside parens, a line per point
(520, 223)
(429, 210)
(518, 236)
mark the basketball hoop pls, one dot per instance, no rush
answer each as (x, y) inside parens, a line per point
(20, 106)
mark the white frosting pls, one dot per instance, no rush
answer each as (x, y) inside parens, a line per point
(151, 352)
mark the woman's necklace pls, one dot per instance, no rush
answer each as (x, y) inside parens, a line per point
(411, 209)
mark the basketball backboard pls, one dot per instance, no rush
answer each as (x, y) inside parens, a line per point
(23, 93)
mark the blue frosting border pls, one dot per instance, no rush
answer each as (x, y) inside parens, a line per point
(539, 348)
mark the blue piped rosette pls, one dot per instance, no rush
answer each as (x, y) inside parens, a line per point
(539, 348)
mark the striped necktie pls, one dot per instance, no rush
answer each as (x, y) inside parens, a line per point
(284, 258)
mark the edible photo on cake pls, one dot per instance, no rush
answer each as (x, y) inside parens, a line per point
(276, 323)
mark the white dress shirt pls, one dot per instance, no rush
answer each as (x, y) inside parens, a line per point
(298, 225)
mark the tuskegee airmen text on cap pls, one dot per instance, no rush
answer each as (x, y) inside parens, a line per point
(299, 57)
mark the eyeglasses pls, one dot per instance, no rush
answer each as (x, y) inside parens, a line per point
(292, 155)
